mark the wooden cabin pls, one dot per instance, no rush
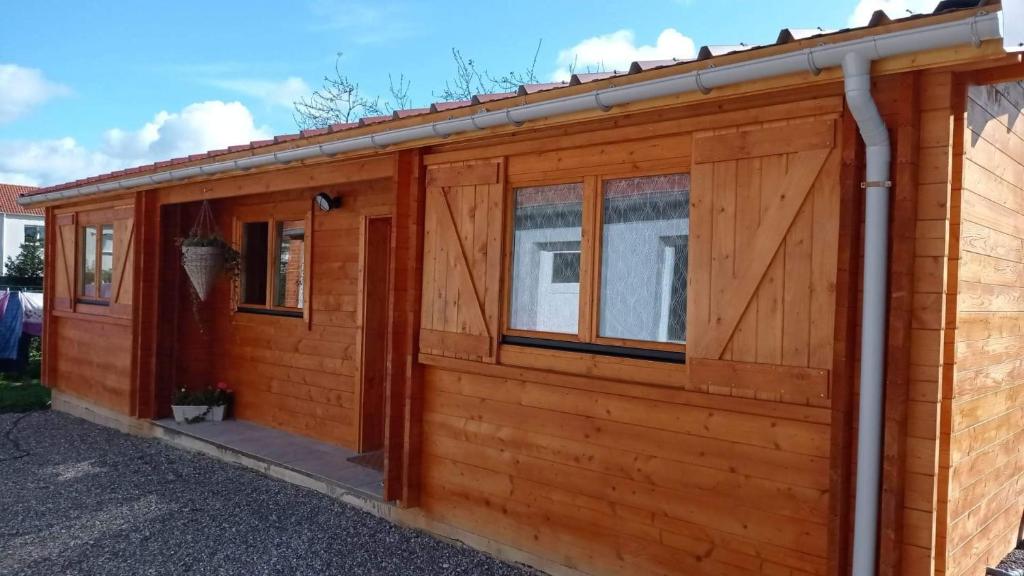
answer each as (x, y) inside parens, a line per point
(620, 340)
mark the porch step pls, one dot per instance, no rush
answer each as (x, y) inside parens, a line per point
(318, 465)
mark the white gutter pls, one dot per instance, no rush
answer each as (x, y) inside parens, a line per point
(980, 27)
(878, 154)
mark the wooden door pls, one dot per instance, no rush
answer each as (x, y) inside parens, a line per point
(376, 259)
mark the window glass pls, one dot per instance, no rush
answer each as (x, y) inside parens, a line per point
(106, 259)
(546, 258)
(289, 265)
(87, 276)
(255, 243)
(34, 233)
(646, 225)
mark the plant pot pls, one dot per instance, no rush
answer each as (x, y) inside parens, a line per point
(203, 264)
(183, 414)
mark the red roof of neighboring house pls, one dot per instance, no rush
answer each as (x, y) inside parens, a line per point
(786, 36)
(9, 200)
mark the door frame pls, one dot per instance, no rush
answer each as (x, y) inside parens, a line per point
(361, 311)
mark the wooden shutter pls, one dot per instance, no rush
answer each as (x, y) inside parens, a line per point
(124, 262)
(462, 259)
(764, 234)
(64, 263)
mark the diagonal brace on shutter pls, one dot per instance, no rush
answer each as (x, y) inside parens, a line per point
(446, 221)
(730, 308)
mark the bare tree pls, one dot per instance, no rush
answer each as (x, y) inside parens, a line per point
(470, 80)
(339, 99)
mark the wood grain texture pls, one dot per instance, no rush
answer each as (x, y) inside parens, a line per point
(986, 419)
(756, 305)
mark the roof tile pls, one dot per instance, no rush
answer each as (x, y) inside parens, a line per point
(9, 194)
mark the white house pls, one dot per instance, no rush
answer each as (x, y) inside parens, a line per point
(17, 223)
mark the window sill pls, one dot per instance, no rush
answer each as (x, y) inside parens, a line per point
(93, 302)
(270, 312)
(625, 352)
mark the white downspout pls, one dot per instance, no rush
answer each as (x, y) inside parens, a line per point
(857, 78)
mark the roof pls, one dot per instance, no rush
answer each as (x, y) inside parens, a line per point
(9, 200)
(705, 53)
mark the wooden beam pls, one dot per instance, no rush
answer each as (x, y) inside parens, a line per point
(279, 179)
(845, 349)
(902, 238)
(404, 393)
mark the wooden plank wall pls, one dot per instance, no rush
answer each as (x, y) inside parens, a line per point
(613, 465)
(288, 373)
(89, 352)
(918, 110)
(986, 399)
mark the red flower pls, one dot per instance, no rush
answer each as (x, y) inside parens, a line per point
(222, 386)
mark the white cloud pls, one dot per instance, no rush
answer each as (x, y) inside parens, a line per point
(17, 179)
(616, 51)
(46, 162)
(894, 8)
(284, 93)
(22, 89)
(196, 128)
(363, 21)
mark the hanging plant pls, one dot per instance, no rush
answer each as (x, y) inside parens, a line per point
(205, 254)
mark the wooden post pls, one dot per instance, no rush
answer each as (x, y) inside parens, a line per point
(903, 231)
(404, 395)
(845, 349)
(49, 339)
(145, 303)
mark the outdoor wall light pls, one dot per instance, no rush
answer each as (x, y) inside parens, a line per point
(325, 202)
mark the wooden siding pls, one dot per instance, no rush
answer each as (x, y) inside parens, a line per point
(986, 418)
(614, 465)
(288, 372)
(88, 347)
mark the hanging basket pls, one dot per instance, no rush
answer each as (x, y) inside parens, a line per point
(203, 264)
(205, 255)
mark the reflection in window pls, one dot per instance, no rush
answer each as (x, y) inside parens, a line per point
(546, 258)
(34, 233)
(255, 242)
(646, 226)
(289, 265)
(87, 277)
(106, 260)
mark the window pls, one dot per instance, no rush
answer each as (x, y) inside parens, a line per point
(255, 240)
(546, 258)
(645, 225)
(273, 266)
(288, 260)
(34, 233)
(635, 241)
(96, 263)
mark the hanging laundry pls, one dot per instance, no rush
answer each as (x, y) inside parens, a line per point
(32, 306)
(10, 326)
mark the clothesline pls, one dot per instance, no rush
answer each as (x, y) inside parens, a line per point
(22, 314)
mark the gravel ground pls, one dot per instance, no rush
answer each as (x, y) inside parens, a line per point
(76, 498)
(1013, 561)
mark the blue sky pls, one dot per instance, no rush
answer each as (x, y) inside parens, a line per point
(91, 87)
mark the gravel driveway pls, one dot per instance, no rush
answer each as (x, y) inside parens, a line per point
(76, 498)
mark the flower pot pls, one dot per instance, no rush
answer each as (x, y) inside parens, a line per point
(184, 414)
(203, 264)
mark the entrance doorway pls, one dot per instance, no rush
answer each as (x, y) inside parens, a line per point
(375, 290)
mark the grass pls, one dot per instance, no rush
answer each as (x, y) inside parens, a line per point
(23, 397)
(23, 392)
